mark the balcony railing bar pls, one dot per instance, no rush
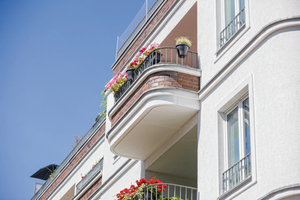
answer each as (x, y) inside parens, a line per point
(237, 173)
(160, 55)
(90, 176)
(232, 28)
(176, 191)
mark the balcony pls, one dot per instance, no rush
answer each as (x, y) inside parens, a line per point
(170, 192)
(90, 176)
(153, 106)
(163, 56)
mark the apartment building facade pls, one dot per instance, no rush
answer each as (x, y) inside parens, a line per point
(220, 123)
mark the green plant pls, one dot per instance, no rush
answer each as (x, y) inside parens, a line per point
(52, 175)
(183, 40)
(116, 82)
(103, 104)
(130, 67)
(155, 187)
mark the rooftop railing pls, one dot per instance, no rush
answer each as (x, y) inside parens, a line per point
(90, 176)
(145, 13)
(237, 173)
(232, 28)
(167, 191)
(160, 55)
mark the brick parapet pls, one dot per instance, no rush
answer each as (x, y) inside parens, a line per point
(74, 162)
(91, 190)
(157, 80)
(164, 9)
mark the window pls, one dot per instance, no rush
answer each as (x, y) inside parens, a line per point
(234, 11)
(238, 145)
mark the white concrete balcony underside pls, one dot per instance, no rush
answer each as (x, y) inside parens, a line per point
(153, 118)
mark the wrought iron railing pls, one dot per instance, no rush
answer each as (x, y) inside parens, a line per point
(136, 25)
(167, 191)
(237, 173)
(90, 176)
(160, 55)
(229, 31)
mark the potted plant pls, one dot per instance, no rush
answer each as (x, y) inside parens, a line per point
(116, 82)
(144, 189)
(130, 71)
(183, 44)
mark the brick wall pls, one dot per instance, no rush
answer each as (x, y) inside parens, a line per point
(144, 35)
(91, 190)
(160, 79)
(100, 132)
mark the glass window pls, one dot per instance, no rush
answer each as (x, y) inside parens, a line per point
(233, 137)
(229, 11)
(246, 126)
(238, 146)
(234, 19)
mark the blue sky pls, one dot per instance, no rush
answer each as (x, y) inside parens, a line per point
(55, 58)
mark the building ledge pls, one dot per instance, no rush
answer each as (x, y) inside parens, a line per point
(151, 120)
(149, 71)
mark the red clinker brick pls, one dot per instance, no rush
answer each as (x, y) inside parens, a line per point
(187, 79)
(154, 85)
(175, 77)
(92, 189)
(176, 84)
(164, 83)
(159, 79)
(156, 80)
(186, 86)
(182, 82)
(194, 84)
(182, 74)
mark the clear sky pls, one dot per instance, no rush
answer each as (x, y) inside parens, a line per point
(55, 59)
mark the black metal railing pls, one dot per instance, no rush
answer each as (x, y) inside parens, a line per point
(160, 55)
(167, 191)
(236, 24)
(237, 173)
(90, 176)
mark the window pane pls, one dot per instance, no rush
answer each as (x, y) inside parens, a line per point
(242, 4)
(229, 11)
(233, 137)
(246, 126)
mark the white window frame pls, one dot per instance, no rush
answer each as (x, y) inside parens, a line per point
(236, 10)
(238, 105)
(221, 24)
(240, 93)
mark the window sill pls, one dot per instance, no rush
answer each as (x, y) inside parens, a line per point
(222, 50)
(237, 189)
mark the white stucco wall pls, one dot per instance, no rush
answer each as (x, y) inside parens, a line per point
(274, 66)
(274, 69)
(125, 180)
(258, 15)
